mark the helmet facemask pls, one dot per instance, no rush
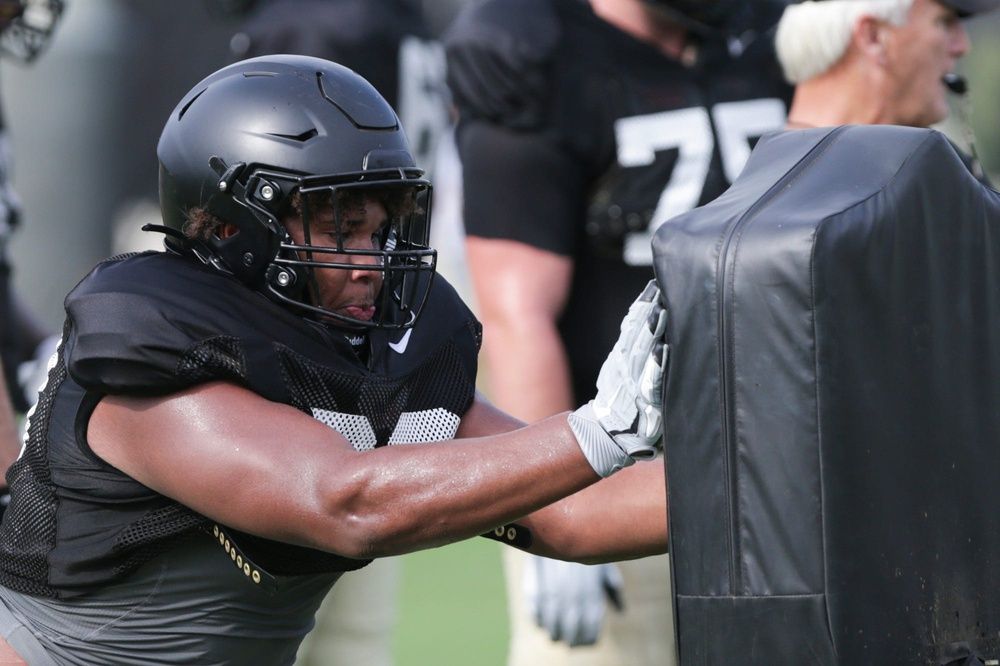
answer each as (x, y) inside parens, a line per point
(398, 254)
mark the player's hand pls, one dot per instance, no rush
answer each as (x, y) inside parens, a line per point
(569, 600)
(624, 421)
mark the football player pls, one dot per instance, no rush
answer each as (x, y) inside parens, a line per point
(389, 43)
(873, 62)
(583, 126)
(282, 395)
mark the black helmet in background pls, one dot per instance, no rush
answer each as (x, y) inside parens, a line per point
(249, 137)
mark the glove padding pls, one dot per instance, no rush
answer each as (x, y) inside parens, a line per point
(569, 600)
(624, 421)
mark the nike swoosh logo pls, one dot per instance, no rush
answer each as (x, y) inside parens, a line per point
(400, 347)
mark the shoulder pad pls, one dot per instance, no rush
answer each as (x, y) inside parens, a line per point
(498, 60)
(446, 321)
(447, 305)
(156, 323)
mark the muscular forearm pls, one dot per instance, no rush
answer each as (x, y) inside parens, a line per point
(455, 490)
(622, 517)
(291, 478)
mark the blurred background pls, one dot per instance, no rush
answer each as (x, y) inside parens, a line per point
(84, 121)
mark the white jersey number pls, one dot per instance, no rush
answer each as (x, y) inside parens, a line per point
(639, 138)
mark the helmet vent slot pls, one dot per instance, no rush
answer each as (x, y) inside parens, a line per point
(188, 105)
(303, 137)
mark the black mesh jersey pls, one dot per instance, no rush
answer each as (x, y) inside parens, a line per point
(157, 323)
(579, 139)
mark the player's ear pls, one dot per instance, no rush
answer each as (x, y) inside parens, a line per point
(869, 38)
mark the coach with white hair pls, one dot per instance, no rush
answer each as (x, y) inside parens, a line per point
(872, 61)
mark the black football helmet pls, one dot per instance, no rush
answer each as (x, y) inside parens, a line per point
(26, 26)
(242, 142)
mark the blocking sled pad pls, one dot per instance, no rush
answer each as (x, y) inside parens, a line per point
(833, 406)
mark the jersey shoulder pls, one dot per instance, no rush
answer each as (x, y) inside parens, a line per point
(448, 311)
(155, 323)
(498, 54)
(446, 328)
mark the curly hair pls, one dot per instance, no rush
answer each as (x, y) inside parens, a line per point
(202, 225)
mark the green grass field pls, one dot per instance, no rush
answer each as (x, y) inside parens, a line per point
(452, 608)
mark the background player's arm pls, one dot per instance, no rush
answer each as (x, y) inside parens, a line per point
(521, 291)
(523, 190)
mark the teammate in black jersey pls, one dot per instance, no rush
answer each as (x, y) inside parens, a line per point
(584, 126)
(231, 424)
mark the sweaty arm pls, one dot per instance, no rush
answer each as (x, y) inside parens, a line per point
(621, 517)
(291, 478)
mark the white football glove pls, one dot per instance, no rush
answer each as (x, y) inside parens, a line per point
(624, 421)
(569, 600)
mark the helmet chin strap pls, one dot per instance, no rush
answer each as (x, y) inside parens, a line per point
(358, 339)
(359, 343)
